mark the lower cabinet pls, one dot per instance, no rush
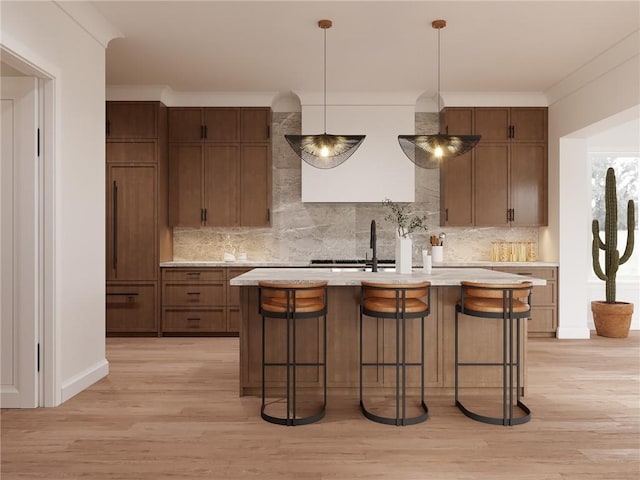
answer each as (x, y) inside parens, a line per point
(131, 309)
(199, 301)
(544, 300)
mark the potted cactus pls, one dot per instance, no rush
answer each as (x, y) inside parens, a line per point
(611, 318)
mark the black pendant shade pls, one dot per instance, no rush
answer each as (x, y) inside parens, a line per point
(325, 150)
(429, 151)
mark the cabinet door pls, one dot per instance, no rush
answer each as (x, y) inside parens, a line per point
(528, 184)
(492, 124)
(255, 185)
(131, 152)
(221, 180)
(131, 223)
(131, 309)
(186, 124)
(456, 191)
(456, 174)
(222, 124)
(255, 124)
(491, 193)
(529, 124)
(131, 120)
(185, 185)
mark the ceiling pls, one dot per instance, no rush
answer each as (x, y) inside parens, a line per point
(374, 46)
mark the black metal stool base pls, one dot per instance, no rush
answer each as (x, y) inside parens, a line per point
(398, 421)
(498, 420)
(290, 422)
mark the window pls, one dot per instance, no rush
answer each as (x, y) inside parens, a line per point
(627, 168)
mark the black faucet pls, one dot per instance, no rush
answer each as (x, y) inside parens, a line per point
(372, 245)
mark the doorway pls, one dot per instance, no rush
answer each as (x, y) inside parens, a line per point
(27, 366)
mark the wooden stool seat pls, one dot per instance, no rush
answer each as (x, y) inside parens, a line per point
(302, 305)
(492, 305)
(387, 305)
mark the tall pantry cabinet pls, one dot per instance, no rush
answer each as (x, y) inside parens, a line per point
(138, 233)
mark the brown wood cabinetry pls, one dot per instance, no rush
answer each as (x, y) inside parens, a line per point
(138, 237)
(220, 163)
(507, 170)
(456, 174)
(199, 301)
(132, 308)
(511, 124)
(544, 299)
(131, 120)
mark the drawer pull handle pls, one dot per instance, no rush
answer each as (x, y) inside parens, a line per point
(193, 293)
(193, 274)
(194, 319)
(526, 274)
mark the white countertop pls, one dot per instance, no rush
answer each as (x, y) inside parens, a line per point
(344, 276)
(286, 263)
(240, 264)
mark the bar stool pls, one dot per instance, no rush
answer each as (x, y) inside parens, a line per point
(293, 302)
(398, 302)
(511, 303)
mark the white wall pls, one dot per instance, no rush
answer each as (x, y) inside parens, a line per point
(46, 36)
(608, 87)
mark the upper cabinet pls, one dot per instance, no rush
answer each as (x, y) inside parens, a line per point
(511, 124)
(503, 180)
(195, 124)
(220, 166)
(456, 174)
(131, 120)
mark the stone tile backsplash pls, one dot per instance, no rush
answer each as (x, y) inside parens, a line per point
(302, 231)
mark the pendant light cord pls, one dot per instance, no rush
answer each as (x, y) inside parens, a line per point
(439, 71)
(325, 80)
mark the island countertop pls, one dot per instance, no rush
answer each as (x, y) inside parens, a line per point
(347, 276)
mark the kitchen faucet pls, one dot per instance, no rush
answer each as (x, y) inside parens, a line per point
(372, 245)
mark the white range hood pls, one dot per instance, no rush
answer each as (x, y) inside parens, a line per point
(378, 169)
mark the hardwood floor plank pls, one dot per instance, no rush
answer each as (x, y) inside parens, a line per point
(169, 409)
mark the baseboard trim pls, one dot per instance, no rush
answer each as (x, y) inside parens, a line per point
(573, 332)
(84, 380)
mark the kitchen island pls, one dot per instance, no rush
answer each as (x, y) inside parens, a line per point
(477, 336)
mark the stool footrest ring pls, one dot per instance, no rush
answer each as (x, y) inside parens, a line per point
(396, 421)
(498, 420)
(292, 421)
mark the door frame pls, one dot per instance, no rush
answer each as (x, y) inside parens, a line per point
(25, 61)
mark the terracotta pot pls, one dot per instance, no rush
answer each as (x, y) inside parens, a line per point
(612, 319)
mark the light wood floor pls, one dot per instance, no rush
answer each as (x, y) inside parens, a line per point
(169, 410)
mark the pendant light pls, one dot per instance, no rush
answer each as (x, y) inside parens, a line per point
(326, 150)
(429, 151)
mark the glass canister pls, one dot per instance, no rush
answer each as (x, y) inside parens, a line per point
(522, 251)
(513, 251)
(532, 251)
(495, 251)
(504, 251)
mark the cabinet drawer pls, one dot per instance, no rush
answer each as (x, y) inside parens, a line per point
(542, 321)
(131, 152)
(131, 309)
(548, 273)
(193, 274)
(194, 320)
(212, 293)
(544, 295)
